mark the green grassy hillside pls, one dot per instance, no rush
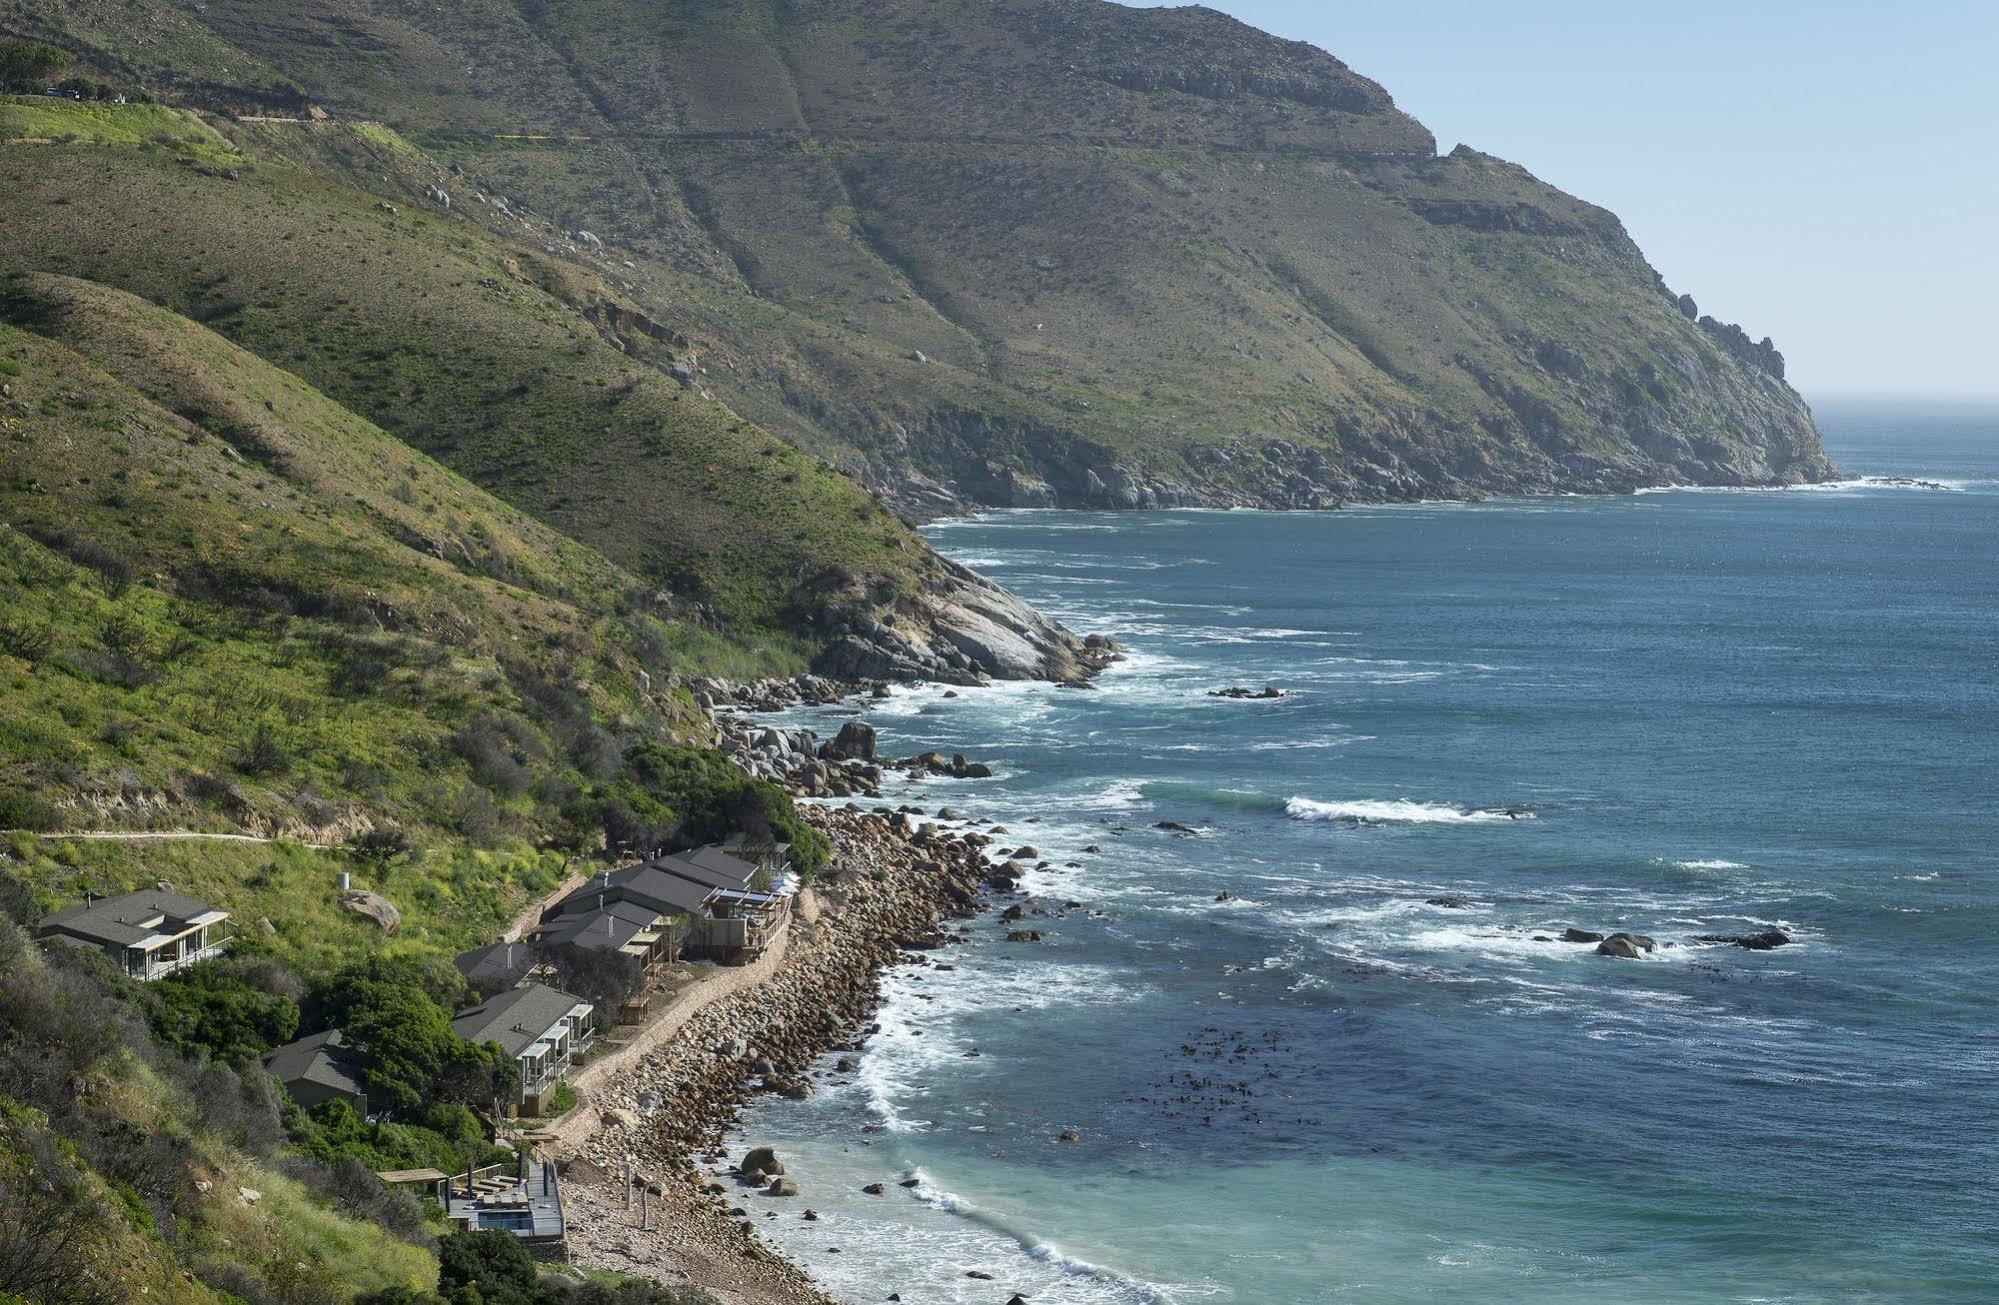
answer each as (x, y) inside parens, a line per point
(539, 380)
(231, 602)
(1146, 256)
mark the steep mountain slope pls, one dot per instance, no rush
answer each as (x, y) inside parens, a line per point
(224, 593)
(1039, 250)
(537, 379)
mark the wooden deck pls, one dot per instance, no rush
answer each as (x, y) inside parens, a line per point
(530, 1209)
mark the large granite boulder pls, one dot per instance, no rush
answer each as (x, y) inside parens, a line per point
(372, 907)
(854, 742)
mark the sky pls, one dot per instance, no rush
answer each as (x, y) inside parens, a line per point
(1825, 173)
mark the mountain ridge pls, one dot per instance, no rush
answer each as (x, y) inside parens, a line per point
(1055, 252)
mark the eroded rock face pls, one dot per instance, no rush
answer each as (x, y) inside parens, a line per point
(964, 631)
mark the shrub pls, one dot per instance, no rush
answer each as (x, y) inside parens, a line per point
(382, 844)
(31, 641)
(262, 753)
(493, 1262)
(27, 66)
(20, 809)
(214, 1010)
(397, 1011)
(112, 568)
(692, 795)
(54, 1230)
(349, 1183)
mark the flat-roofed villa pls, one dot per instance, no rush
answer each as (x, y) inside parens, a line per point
(148, 935)
(544, 1029)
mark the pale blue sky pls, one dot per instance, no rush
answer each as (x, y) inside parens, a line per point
(1826, 174)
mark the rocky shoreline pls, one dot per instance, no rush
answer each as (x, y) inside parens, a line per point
(890, 892)
(843, 766)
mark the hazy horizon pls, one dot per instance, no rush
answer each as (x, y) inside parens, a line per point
(1812, 173)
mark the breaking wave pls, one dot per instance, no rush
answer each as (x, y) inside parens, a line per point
(1394, 812)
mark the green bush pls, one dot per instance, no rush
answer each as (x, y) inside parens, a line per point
(665, 795)
(442, 1136)
(24, 810)
(396, 1010)
(216, 1009)
(27, 66)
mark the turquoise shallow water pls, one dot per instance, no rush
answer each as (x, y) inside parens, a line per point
(1714, 712)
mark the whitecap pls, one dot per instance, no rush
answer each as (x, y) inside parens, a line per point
(1394, 811)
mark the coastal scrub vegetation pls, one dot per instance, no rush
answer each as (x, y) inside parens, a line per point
(492, 1268)
(129, 1168)
(229, 604)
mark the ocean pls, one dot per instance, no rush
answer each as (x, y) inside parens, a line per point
(1292, 1076)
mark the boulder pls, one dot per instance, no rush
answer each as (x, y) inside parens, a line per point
(1755, 942)
(874, 1189)
(372, 907)
(782, 1187)
(1625, 946)
(1024, 936)
(855, 742)
(1581, 936)
(1450, 903)
(763, 1160)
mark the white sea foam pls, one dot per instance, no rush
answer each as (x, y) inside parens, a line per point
(1395, 811)
(1926, 484)
(1711, 865)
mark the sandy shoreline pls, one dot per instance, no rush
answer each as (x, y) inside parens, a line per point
(667, 1102)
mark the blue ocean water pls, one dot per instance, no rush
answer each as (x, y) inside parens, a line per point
(1708, 712)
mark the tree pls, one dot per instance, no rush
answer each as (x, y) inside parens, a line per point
(214, 1009)
(494, 1262)
(667, 795)
(397, 1011)
(29, 65)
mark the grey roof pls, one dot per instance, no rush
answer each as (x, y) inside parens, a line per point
(607, 929)
(323, 1058)
(646, 885)
(516, 1018)
(757, 849)
(129, 918)
(508, 961)
(709, 865)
